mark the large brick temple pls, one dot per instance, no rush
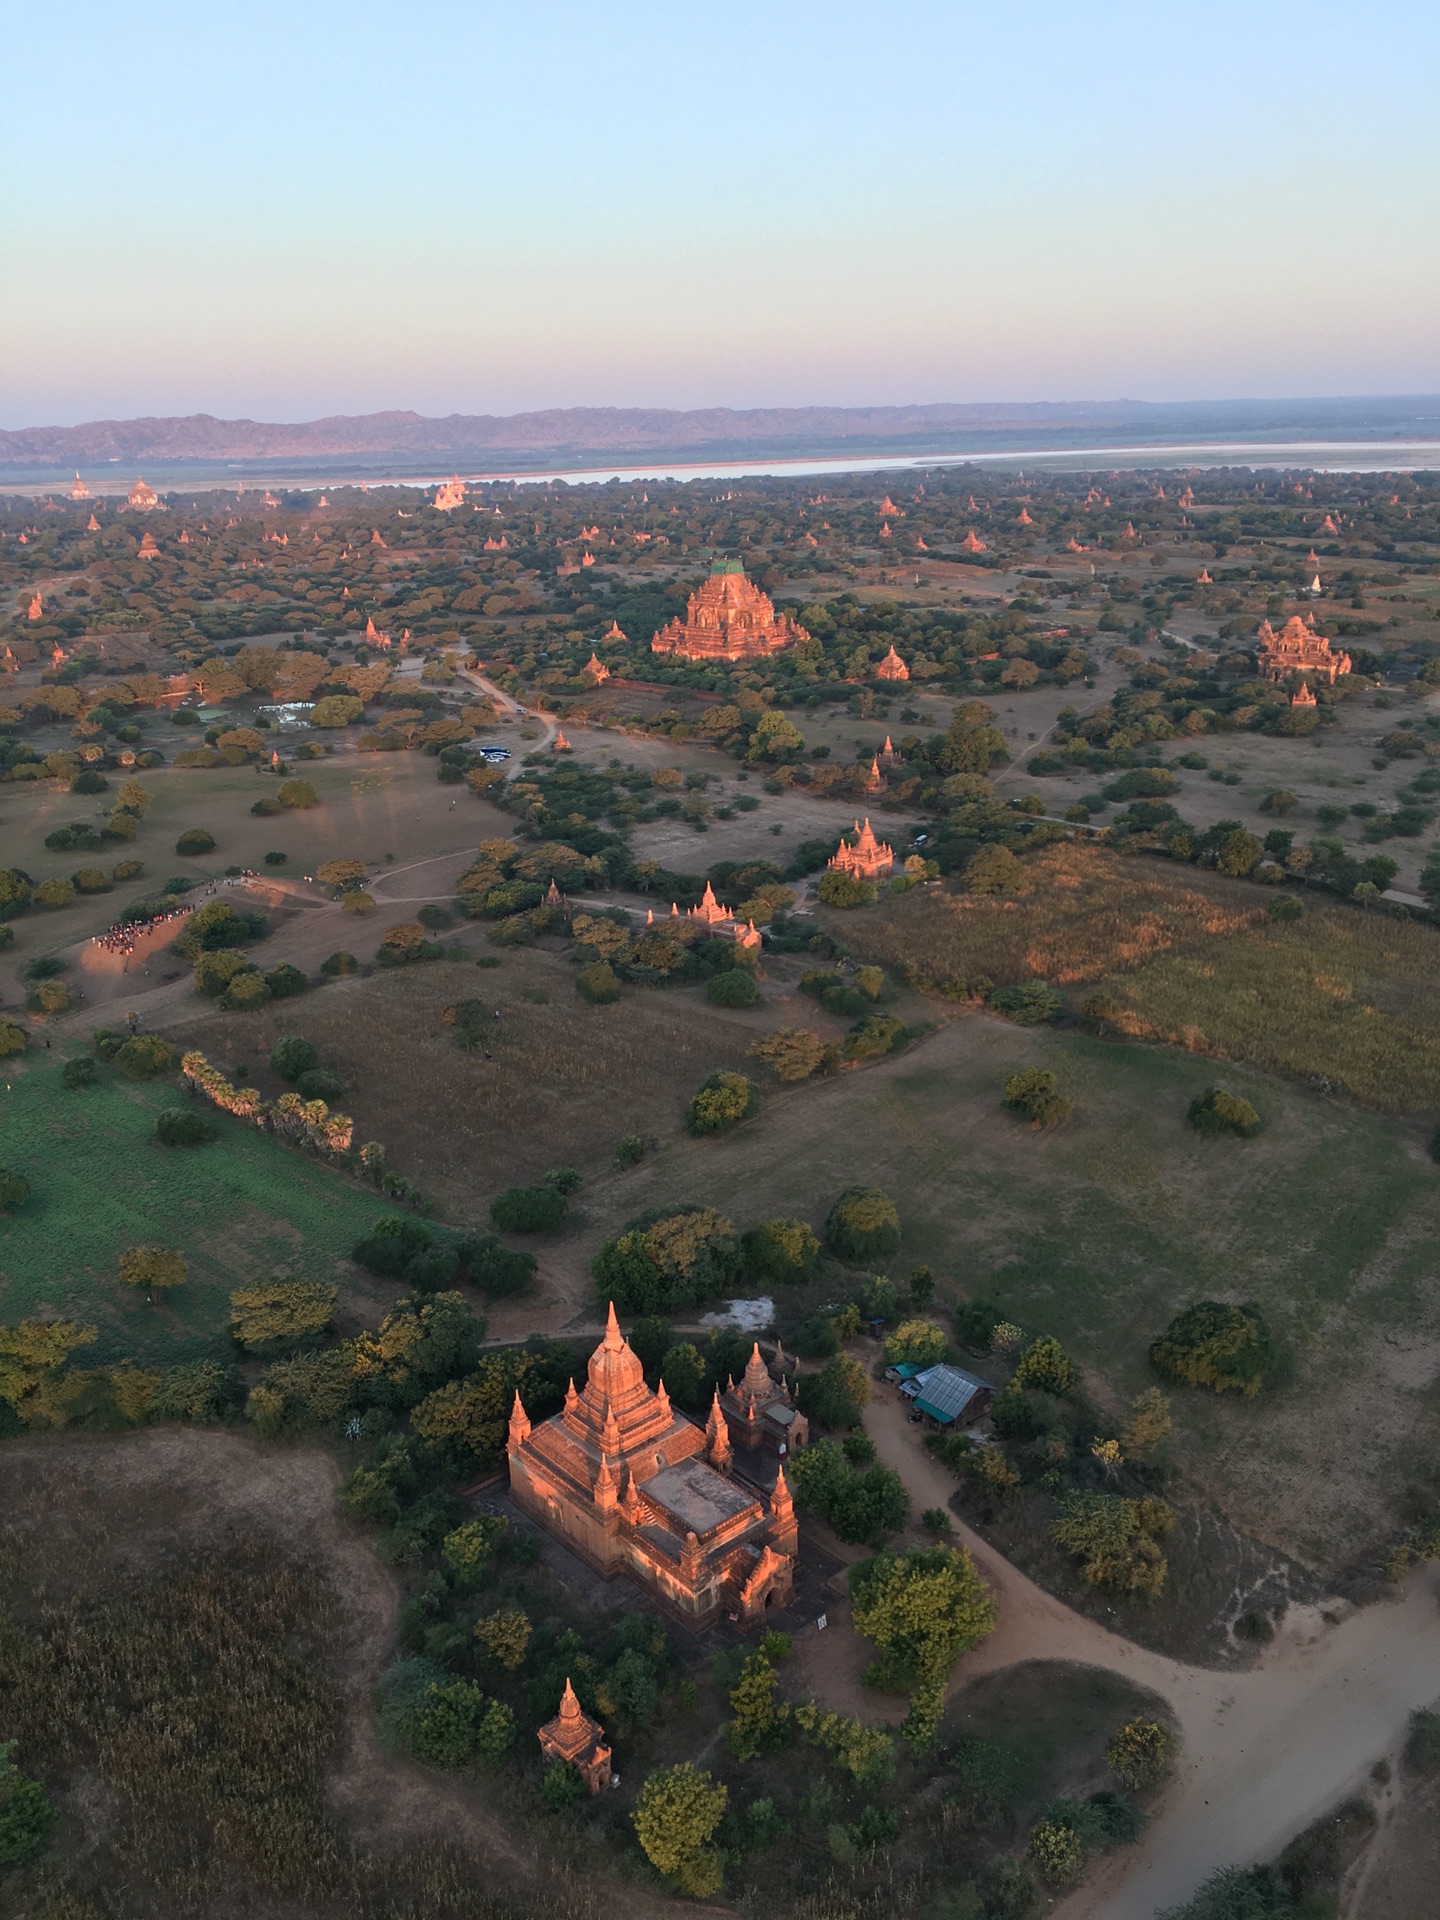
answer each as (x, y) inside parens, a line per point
(728, 618)
(1297, 648)
(634, 1487)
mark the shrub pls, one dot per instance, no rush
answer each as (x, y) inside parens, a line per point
(1030, 1005)
(1058, 1852)
(285, 981)
(91, 880)
(276, 859)
(794, 1053)
(563, 1786)
(292, 1055)
(599, 984)
(1116, 1540)
(249, 988)
(722, 1102)
(297, 793)
(50, 997)
(78, 1074)
(868, 1039)
(26, 1815)
(918, 1343)
(781, 1251)
(676, 1261)
(404, 945)
(274, 1310)
(14, 1190)
(1216, 1111)
(734, 988)
(994, 870)
(1422, 1743)
(13, 1037)
(158, 1268)
(1045, 1366)
(143, 1057)
(336, 710)
(863, 1225)
(528, 1209)
(182, 1127)
(1225, 1348)
(1140, 1753)
(127, 870)
(1034, 1094)
(321, 1083)
(89, 781)
(340, 965)
(54, 893)
(195, 840)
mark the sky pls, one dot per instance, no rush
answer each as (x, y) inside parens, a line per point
(454, 206)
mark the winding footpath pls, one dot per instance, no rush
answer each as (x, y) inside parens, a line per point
(1266, 1751)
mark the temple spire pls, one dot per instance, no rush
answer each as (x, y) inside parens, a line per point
(613, 1336)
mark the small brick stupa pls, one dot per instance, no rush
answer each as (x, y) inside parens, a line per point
(1297, 648)
(574, 1738)
(892, 667)
(759, 1412)
(728, 618)
(867, 858)
(148, 548)
(595, 669)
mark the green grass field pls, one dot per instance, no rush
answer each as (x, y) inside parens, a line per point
(1100, 1231)
(243, 1207)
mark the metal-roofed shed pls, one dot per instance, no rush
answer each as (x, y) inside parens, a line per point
(947, 1394)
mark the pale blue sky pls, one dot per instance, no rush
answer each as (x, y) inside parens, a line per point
(462, 207)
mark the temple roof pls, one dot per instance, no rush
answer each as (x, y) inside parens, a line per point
(615, 1370)
(696, 1495)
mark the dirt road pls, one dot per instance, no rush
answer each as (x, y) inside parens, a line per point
(1266, 1752)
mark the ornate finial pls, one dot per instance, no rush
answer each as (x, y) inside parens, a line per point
(519, 1422)
(662, 1399)
(613, 1336)
(569, 1704)
(572, 1398)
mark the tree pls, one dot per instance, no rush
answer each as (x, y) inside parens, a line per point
(1140, 1753)
(1045, 1366)
(195, 840)
(26, 1815)
(723, 1101)
(505, 1636)
(841, 890)
(734, 988)
(340, 873)
(1226, 1348)
(13, 1038)
(994, 870)
(1281, 801)
(918, 1343)
(14, 1190)
(923, 1609)
(675, 1261)
(528, 1209)
(1239, 853)
(182, 1127)
(54, 893)
(599, 984)
(836, 1394)
(1033, 1092)
(781, 1251)
(1149, 1425)
(291, 1056)
(78, 1074)
(143, 1057)
(336, 710)
(1216, 1111)
(297, 793)
(794, 1053)
(682, 1368)
(1116, 1539)
(281, 1310)
(863, 1225)
(157, 1268)
(447, 1728)
(760, 1719)
(467, 1550)
(1237, 1893)
(34, 1349)
(678, 1811)
(922, 1287)
(1057, 1850)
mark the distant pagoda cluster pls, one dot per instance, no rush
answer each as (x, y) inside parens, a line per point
(1297, 648)
(728, 618)
(864, 858)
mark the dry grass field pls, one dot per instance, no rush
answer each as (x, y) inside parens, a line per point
(1100, 1231)
(1194, 959)
(556, 1082)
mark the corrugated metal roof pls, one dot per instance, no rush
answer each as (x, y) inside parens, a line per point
(945, 1392)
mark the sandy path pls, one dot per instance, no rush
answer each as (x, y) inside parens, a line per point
(1266, 1752)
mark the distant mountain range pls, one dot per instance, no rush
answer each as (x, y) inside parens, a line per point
(570, 435)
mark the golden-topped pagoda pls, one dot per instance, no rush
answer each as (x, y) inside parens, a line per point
(573, 1738)
(1297, 648)
(866, 858)
(728, 618)
(634, 1487)
(142, 499)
